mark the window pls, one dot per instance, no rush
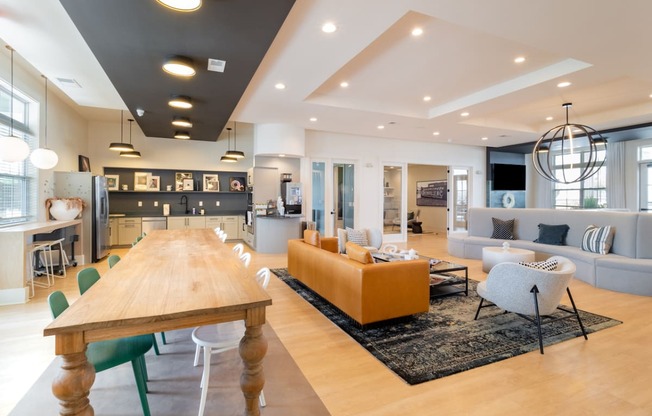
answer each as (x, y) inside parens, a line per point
(590, 193)
(17, 180)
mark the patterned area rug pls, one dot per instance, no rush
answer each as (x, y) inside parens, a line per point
(447, 340)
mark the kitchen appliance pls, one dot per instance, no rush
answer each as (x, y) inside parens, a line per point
(94, 192)
(291, 193)
(153, 223)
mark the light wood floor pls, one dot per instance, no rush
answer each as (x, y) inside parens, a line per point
(609, 374)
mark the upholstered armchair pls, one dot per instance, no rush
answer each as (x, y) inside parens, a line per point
(529, 292)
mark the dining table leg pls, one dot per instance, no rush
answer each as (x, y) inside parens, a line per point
(76, 376)
(253, 348)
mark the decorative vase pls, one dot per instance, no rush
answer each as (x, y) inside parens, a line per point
(505, 245)
(64, 209)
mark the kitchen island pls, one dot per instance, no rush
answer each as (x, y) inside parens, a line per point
(274, 231)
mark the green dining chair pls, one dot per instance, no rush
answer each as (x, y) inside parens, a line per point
(88, 277)
(114, 352)
(112, 260)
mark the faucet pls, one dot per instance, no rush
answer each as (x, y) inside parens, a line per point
(184, 200)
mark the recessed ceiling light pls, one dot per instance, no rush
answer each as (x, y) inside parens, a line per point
(519, 60)
(417, 31)
(427, 98)
(179, 65)
(380, 127)
(435, 133)
(549, 118)
(344, 84)
(563, 84)
(181, 122)
(313, 119)
(484, 139)
(650, 95)
(182, 135)
(281, 155)
(279, 86)
(464, 114)
(328, 27)
(181, 5)
(180, 101)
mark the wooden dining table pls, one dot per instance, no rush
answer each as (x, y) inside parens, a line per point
(171, 279)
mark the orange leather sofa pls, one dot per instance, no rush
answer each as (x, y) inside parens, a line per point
(365, 292)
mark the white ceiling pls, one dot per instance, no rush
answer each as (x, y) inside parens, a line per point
(464, 61)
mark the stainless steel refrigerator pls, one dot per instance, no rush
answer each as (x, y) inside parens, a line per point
(95, 238)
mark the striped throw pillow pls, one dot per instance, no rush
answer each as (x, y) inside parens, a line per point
(598, 239)
(357, 236)
(547, 265)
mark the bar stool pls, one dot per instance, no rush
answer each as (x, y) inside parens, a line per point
(63, 257)
(35, 251)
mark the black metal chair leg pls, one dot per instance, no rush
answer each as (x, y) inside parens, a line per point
(576, 313)
(535, 292)
(478, 311)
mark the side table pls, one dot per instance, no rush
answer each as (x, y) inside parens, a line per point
(494, 255)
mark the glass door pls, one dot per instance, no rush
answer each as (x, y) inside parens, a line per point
(343, 196)
(645, 179)
(319, 195)
(460, 203)
(393, 222)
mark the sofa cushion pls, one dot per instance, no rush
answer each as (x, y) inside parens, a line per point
(357, 236)
(503, 230)
(548, 265)
(598, 239)
(552, 234)
(311, 237)
(358, 253)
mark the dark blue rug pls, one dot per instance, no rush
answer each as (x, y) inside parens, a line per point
(447, 340)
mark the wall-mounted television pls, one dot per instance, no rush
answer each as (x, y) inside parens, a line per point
(508, 177)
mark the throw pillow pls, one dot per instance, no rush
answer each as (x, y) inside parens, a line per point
(312, 237)
(548, 265)
(503, 230)
(553, 234)
(341, 240)
(358, 253)
(598, 239)
(357, 236)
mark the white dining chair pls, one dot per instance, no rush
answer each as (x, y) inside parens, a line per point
(222, 237)
(246, 258)
(218, 230)
(238, 249)
(218, 338)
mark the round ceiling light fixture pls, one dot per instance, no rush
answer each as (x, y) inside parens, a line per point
(131, 153)
(12, 148)
(180, 101)
(182, 135)
(121, 147)
(43, 157)
(235, 153)
(181, 122)
(181, 5)
(179, 65)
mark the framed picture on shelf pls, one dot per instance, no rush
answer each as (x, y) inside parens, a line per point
(154, 183)
(236, 184)
(188, 184)
(211, 183)
(141, 180)
(179, 180)
(112, 182)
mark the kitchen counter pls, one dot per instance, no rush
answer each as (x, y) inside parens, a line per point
(274, 231)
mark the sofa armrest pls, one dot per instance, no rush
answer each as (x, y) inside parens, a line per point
(329, 244)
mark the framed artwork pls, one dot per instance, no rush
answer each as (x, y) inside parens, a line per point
(179, 178)
(237, 184)
(432, 193)
(211, 183)
(112, 182)
(141, 180)
(84, 164)
(188, 184)
(154, 183)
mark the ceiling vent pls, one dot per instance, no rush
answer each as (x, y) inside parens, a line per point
(216, 65)
(68, 82)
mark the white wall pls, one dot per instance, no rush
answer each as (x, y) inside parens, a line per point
(370, 154)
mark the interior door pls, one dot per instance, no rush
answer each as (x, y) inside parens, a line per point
(460, 196)
(319, 196)
(343, 202)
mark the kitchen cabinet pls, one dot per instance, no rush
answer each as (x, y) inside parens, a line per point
(227, 223)
(129, 228)
(186, 223)
(242, 230)
(113, 231)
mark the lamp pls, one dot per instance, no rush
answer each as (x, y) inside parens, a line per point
(557, 155)
(44, 158)
(228, 158)
(180, 101)
(181, 5)
(131, 153)
(236, 154)
(179, 65)
(181, 121)
(12, 148)
(121, 147)
(182, 135)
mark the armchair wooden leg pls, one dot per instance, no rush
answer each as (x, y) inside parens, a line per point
(535, 292)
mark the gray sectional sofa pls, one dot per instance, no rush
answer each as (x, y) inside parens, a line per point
(626, 268)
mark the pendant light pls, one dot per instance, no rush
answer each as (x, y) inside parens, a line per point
(131, 153)
(12, 148)
(226, 158)
(236, 154)
(121, 147)
(44, 158)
